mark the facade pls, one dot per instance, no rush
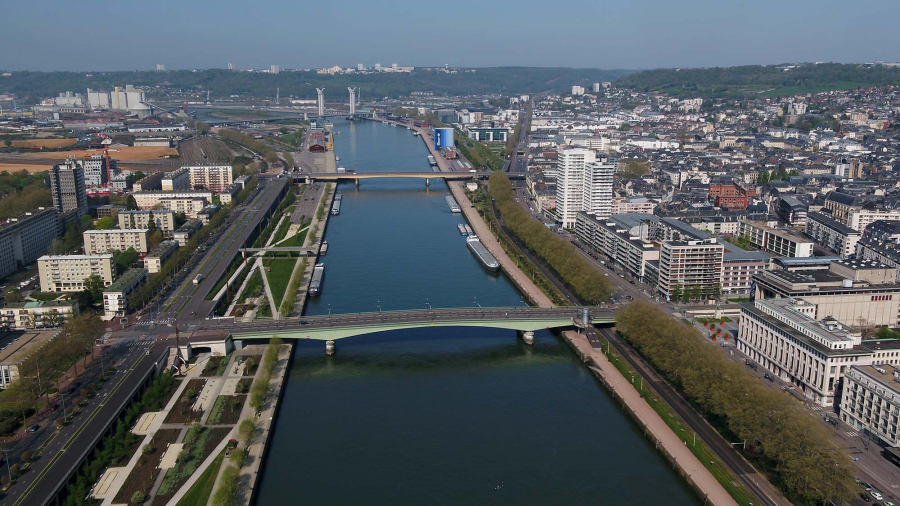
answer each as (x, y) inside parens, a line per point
(149, 182)
(635, 204)
(150, 200)
(791, 211)
(164, 219)
(774, 241)
(443, 138)
(832, 234)
(115, 296)
(616, 242)
(689, 266)
(25, 238)
(731, 195)
(784, 336)
(155, 259)
(158, 142)
(738, 269)
(68, 189)
(37, 314)
(870, 401)
(11, 359)
(190, 207)
(865, 299)
(96, 172)
(856, 214)
(177, 180)
(186, 231)
(570, 182)
(210, 177)
(597, 189)
(489, 134)
(68, 273)
(102, 241)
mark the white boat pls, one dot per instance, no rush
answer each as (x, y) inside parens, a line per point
(337, 158)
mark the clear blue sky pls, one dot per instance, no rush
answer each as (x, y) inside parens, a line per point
(186, 34)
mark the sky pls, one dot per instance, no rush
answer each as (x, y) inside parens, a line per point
(607, 34)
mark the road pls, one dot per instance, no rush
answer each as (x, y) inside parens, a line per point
(50, 473)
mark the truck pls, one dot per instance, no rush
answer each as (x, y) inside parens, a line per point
(198, 279)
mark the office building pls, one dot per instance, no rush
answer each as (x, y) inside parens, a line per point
(68, 189)
(210, 177)
(775, 241)
(853, 292)
(68, 273)
(785, 337)
(25, 238)
(870, 401)
(102, 241)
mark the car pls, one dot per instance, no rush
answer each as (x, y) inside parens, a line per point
(54, 407)
(629, 297)
(888, 503)
(631, 281)
(303, 322)
(876, 495)
(34, 428)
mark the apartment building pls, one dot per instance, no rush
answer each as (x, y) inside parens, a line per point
(186, 231)
(68, 273)
(870, 401)
(690, 265)
(25, 238)
(102, 241)
(832, 234)
(570, 182)
(164, 220)
(775, 241)
(150, 182)
(68, 190)
(597, 189)
(784, 337)
(210, 177)
(792, 211)
(633, 204)
(115, 296)
(857, 213)
(190, 207)
(98, 169)
(155, 259)
(731, 195)
(619, 240)
(177, 180)
(12, 358)
(739, 267)
(36, 314)
(150, 200)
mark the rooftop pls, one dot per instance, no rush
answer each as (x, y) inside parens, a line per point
(127, 281)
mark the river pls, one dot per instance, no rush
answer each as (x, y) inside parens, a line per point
(440, 416)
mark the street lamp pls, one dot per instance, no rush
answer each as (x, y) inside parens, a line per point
(379, 307)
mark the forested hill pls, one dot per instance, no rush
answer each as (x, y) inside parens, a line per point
(756, 80)
(32, 86)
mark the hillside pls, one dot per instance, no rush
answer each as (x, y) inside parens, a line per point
(755, 80)
(32, 86)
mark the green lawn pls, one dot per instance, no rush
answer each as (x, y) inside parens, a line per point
(198, 494)
(279, 275)
(254, 286)
(282, 230)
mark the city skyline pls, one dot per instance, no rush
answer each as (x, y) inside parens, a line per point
(607, 35)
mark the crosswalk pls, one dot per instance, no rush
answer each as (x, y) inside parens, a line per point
(817, 407)
(160, 321)
(853, 434)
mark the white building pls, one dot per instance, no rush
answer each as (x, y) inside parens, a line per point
(870, 401)
(97, 170)
(688, 266)
(68, 273)
(177, 180)
(164, 220)
(25, 238)
(570, 182)
(151, 199)
(597, 189)
(210, 177)
(102, 241)
(115, 296)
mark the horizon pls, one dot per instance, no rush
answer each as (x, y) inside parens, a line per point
(609, 35)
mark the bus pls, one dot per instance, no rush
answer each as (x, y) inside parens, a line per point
(198, 279)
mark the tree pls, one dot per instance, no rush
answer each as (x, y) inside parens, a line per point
(676, 293)
(25, 456)
(634, 168)
(94, 284)
(7, 142)
(14, 295)
(246, 430)
(105, 223)
(147, 449)
(131, 204)
(151, 224)
(84, 300)
(137, 497)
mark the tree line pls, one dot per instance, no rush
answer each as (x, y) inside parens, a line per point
(250, 143)
(779, 435)
(588, 283)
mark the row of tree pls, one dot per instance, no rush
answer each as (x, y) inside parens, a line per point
(779, 435)
(40, 371)
(588, 283)
(264, 150)
(260, 387)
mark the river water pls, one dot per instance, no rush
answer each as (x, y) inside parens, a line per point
(445, 415)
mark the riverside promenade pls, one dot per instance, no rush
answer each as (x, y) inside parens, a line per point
(690, 468)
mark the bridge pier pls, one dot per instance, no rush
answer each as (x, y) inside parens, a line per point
(329, 348)
(427, 182)
(357, 183)
(528, 337)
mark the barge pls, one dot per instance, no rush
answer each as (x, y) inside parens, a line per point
(451, 203)
(482, 254)
(315, 284)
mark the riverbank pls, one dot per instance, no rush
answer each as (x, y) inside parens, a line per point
(516, 275)
(666, 441)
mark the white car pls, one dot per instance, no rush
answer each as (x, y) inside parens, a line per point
(876, 495)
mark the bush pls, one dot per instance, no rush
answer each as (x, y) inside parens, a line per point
(137, 497)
